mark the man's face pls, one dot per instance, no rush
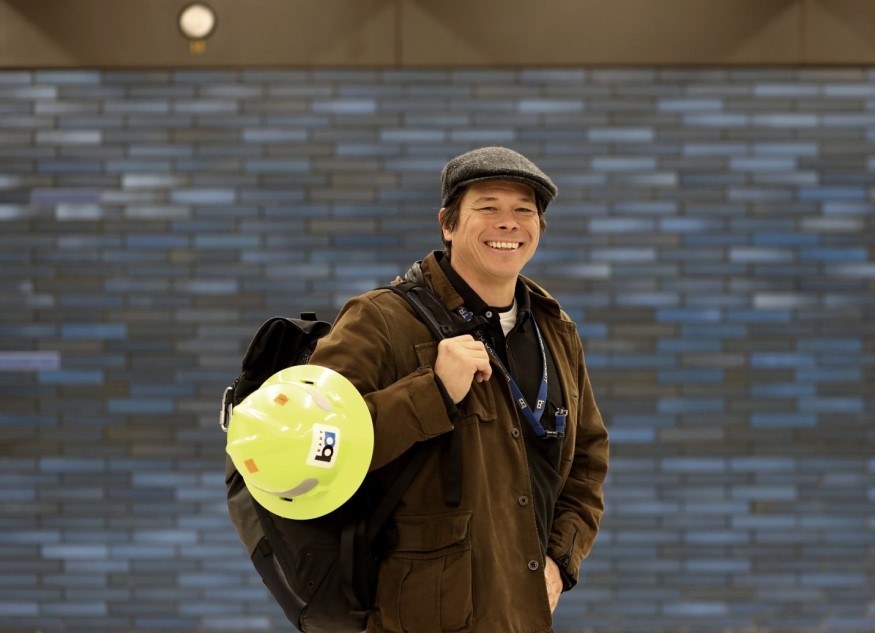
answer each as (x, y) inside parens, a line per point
(497, 231)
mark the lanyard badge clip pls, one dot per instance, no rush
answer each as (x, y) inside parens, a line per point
(561, 418)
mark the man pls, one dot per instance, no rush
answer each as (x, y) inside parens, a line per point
(534, 447)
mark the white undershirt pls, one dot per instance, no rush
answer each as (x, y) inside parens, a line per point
(508, 319)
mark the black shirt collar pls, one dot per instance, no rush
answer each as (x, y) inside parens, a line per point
(472, 300)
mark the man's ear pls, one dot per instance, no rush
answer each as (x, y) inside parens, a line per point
(444, 230)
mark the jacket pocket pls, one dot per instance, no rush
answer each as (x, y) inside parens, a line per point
(425, 583)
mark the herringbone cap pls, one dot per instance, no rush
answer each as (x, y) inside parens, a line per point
(495, 163)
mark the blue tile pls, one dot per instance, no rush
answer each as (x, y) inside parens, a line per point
(715, 149)
(139, 405)
(412, 136)
(691, 405)
(716, 120)
(825, 404)
(761, 163)
(691, 376)
(247, 623)
(783, 420)
(782, 390)
(703, 609)
(750, 255)
(688, 315)
(157, 241)
(789, 89)
(171, 537)
(852, 270)
(26, 420)
(71, 377)
(624, 255)
(88, 552)
(834, 254)
(94, 331)
(778, 360)
(718, 566)
(788, 238)
(631, 164)
(827, 193)
(12, 609)
(550, 106)
(227, 242)
(181, 623)
(853, 120)
(708, 331)
(759, 315)
(785, 120)
(833, 579)
(782, 301)
(647, 207)
(641, 361)
(274, 135)
(29, 360)
(75, 609)
(763, 464)
(81, 195)
(850, 90)
(690, 105)
(687, 345)
(620, 225)
(210, 287)
(831, 345)
(266, 166)
(687, 225)
(345, 106)
(632, 436)
(655, 299)
(786, 148)
(621, 135)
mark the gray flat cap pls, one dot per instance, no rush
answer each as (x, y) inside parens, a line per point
(495, 163)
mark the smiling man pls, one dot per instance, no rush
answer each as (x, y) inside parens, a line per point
(518, 396)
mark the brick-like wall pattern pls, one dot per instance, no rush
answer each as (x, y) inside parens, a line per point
(713, 237)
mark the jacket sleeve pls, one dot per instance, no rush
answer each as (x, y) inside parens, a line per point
(372, 347)
(580, 504)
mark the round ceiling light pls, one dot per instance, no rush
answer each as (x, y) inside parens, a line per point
(197, 21)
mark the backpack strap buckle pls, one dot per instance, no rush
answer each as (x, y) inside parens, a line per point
(227, 408)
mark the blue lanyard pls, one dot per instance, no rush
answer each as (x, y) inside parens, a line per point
(532, 416)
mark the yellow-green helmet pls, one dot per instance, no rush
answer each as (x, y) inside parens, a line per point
(302, 441)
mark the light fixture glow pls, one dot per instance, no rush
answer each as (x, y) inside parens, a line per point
(197, 21)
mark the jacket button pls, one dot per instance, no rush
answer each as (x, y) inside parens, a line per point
(523, 501)
(515, 432)
(533, 565)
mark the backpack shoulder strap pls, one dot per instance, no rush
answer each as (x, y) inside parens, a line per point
(443, 325)
(429, 309)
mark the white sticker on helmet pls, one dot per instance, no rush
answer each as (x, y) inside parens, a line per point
(323, 449)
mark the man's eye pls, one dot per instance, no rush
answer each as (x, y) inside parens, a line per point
(526, 211)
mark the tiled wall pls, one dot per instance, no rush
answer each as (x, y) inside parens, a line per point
(713, 237)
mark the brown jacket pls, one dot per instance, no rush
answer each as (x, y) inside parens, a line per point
(478, 566)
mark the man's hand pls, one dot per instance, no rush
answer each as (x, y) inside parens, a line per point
(554, 582)
(460, 361)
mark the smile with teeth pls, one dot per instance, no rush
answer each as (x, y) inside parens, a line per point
(504, 246)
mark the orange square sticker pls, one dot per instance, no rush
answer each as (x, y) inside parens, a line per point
(250, 465)
(281, 399)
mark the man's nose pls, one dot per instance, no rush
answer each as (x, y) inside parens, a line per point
(507, 220)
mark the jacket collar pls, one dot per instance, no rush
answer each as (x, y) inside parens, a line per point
(432, 273)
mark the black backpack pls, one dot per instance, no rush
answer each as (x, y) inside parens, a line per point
(323, 571)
